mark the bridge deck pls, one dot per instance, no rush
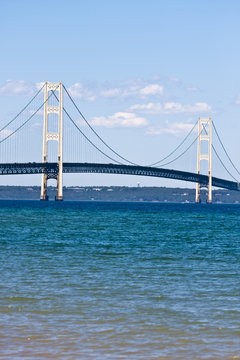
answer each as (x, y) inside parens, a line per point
(51, 169)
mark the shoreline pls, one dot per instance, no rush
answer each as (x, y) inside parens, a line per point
(120, 194)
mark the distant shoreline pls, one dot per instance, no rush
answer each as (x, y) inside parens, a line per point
(120, 194)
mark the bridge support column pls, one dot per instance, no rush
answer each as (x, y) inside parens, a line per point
(204, 134)
(44, 196)
(52, 136)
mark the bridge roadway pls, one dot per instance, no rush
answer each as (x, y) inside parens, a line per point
(52, 168)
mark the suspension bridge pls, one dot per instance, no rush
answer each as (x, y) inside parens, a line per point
(19, 133)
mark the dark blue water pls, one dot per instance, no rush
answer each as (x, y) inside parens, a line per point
(119, 281)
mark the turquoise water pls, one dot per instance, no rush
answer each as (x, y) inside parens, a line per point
(119, 281)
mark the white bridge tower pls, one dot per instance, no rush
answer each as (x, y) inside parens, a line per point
(52, 136)
(204, 134)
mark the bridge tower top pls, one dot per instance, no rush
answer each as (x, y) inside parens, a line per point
(52, 136)
(204, 134)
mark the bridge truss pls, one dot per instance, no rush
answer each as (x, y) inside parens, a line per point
(51, 171)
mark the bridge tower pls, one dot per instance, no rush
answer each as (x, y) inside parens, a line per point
(52, 136)
(204, 134)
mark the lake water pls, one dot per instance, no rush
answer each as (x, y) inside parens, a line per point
(119, 281)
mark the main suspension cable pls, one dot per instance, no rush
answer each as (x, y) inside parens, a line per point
(184, 152)
(225, 149)
(15, 117)
(215, 151)
(182, 142)
(98, 136)
(102, 152)
(25, 122)
(85, 136)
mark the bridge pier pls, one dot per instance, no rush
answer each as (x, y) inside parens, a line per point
(197, 198)
(44, 196)
(59, 196)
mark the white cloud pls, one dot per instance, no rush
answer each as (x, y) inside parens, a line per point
(137, 89)
(37, 125)
(40, 85)
(33, 112)
(76, 91)
(18, 87)
(119, 119)
(110, 92)
(142, 91)
(79, 91)
(171, 108)
(5, 133)
(176, 129)
(127, 91)
(152, 89)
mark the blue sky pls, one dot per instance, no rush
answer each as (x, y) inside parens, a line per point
(142, 72)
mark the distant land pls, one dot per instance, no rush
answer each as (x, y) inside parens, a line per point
(119, 193)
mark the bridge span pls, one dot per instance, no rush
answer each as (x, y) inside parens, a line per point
(51, 170)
